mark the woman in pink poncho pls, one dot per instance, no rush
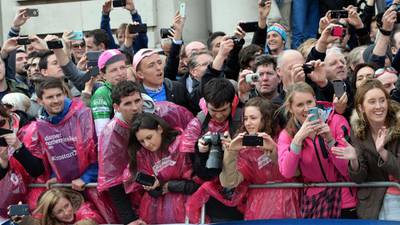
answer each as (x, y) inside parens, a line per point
(258, 165)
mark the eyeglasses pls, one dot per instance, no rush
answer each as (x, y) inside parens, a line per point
(382, 70)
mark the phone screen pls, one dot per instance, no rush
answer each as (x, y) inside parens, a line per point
(182, 9)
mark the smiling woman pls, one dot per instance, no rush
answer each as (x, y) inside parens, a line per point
(62, 206)
(374, 157)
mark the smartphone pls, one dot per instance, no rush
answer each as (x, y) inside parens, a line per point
(249, 26)
(164, 32)
(182, 9)
(93, 58)
(338, 14)
(140, 28)
(338, 31)
(24, 40)
(118, 3)
(19, 210)
(145, 179)
(252, 140)
(32, 12)
(94, 71)
(78, 36)
(57, 44)
(340, 87)
(314, 111)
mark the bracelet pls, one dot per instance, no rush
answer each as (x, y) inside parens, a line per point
(385, 32)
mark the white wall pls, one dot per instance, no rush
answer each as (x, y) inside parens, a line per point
(203, 16)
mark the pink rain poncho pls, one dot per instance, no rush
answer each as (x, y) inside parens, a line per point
(13, 187)
(67, 149)
(113, 143)
(257, 168)
(166, 166)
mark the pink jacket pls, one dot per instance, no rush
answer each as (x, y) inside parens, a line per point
(333, 169)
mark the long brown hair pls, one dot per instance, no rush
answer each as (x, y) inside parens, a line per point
(364, 125)
(267, 110)
(302, 87)
(151, 122)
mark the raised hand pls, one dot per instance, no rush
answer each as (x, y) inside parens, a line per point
(20, 18)
(107, 7)
(380, 139)
(347, 152)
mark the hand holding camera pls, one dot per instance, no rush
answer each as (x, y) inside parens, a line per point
(8, 46)
(389, 18)
(317, 72)
(353, 17)
(308, 128)
(264, 8)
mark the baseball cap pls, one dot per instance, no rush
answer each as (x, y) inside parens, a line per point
(108, 57)
(140, 55)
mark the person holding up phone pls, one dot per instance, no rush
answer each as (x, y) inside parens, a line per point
(305, 145)
(141, 41)
(374, 151)
(16, 162)
(155, 150)
(246, 163)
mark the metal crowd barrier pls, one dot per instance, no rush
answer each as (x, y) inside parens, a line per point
(268, 185)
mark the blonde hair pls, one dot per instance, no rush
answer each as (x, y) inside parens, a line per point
(302, 87)
(17, 100)
(305, 47)
(50, 198)
(86, 222)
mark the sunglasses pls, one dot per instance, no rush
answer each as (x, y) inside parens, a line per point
(382, 70)
(82, 45)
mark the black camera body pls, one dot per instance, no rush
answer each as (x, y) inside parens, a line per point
(308, 68)
(214, 160)
(236, 41)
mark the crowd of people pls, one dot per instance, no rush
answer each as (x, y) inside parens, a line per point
(163, 133)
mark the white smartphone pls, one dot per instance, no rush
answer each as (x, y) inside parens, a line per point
(182, 9)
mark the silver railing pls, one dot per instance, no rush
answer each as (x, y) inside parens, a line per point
(268, 185)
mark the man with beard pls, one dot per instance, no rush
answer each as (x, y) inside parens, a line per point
(21, 59)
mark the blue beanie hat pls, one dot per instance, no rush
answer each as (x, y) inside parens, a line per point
(279, 29)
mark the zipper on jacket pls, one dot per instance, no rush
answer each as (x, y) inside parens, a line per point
(319, 160)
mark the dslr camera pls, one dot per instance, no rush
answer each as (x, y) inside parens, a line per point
(214, 160)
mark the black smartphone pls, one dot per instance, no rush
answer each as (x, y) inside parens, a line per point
(340, 87)
(92, 58)
(252, 140)
(119, 3)
(19, 210)
(164, 32)
(57, 44)
(338, 14)
(93, 71)
(145, 179)
(32, 12)
(249, 26)
(140, 28)
(23, 40)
